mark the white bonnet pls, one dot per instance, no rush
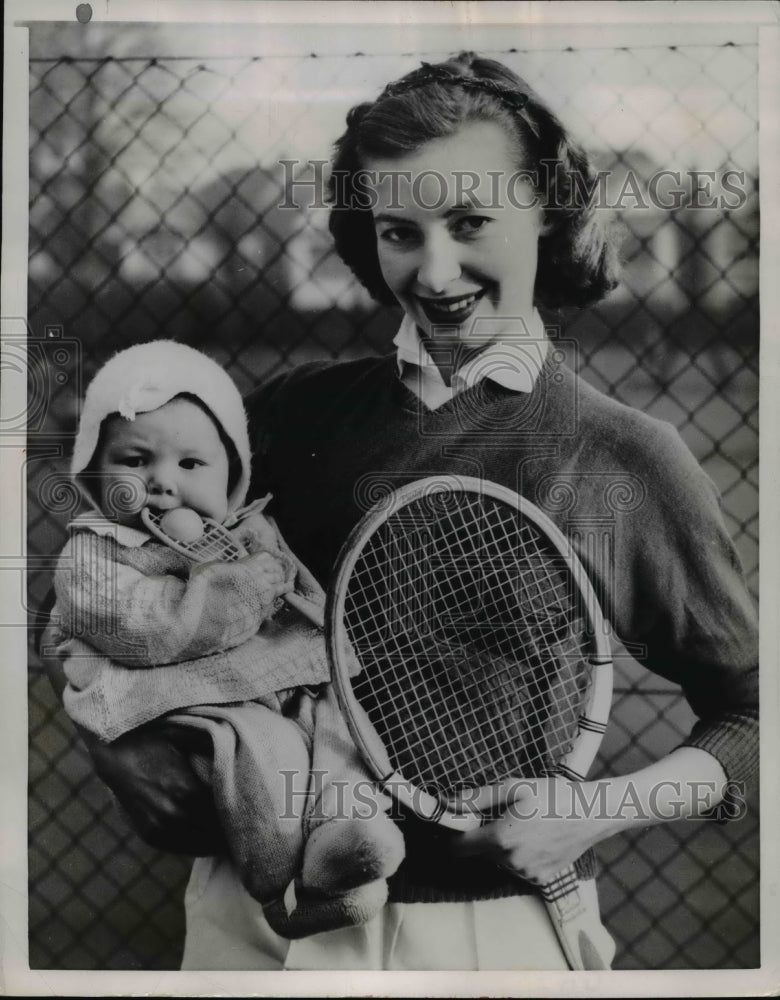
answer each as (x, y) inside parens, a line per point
(145, 377)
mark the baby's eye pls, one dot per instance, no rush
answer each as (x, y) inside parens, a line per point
(191, 463)
(131, 461)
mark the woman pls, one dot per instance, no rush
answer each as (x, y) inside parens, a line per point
(459, 196)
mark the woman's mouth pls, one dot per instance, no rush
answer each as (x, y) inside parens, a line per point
(450, 311)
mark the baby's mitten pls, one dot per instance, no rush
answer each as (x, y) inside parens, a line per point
(257, 534)
(273, 568)
(313, 913)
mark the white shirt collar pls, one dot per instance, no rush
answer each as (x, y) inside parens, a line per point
(132, 538)
(514, 361)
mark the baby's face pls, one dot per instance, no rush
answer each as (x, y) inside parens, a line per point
(166, 458)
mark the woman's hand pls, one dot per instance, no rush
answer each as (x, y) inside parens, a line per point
(545, 827)
(158, 791)
(547, 823)
(152, 780)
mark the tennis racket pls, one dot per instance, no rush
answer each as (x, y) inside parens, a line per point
(484, 657)
(215, 544)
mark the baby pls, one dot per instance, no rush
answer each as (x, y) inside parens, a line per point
(145, 633)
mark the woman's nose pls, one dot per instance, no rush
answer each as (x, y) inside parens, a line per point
(440, 264)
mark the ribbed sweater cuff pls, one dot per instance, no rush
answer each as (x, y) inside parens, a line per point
(733, 741)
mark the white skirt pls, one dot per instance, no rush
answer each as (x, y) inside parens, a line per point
(226, 931)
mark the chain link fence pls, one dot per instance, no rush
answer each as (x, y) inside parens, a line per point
(155, 192)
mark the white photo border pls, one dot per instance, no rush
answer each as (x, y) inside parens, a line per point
(409, 20)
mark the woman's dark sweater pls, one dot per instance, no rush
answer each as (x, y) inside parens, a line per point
(644, 518)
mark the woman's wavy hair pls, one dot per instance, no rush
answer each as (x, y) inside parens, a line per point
(577, 254)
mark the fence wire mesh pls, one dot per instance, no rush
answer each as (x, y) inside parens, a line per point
(154, 211)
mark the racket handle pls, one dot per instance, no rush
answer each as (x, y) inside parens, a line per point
(572, 921)
(308, 609)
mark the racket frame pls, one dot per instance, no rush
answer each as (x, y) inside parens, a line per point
(573, 765)
(561, 894)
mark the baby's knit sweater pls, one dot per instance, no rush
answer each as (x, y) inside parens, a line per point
(143, 632)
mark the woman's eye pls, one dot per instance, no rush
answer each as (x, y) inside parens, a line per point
(398, 235)
(469, 224)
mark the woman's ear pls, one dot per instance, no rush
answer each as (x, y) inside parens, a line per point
(549, 218)
(547, 224)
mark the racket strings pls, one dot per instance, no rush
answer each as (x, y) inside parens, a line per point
(216, 544)
(472, 642)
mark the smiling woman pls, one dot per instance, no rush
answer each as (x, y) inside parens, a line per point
(470, 132)
(463, 273)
